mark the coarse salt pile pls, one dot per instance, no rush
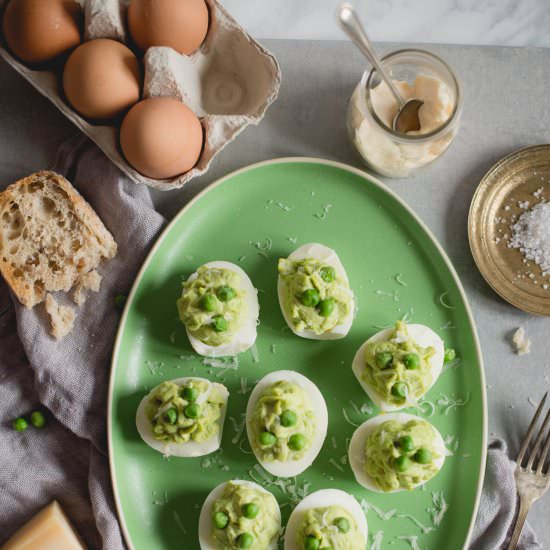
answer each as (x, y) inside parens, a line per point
(531, 234)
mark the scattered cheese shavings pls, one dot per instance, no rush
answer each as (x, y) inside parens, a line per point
(451, 442)
(178, 522)
(279, 204)
(266, 245)
(423, 528)
(334, 443)
(377, 540)
(323, 214)
(173, 337)
(347, 418)
(290, 487)
(443, 302)
(293, 240)
(238, 427)
(255, 354)
(407, 317)
(447, 326)
(336, 465)
(394, 294)
(412, 540)
(439, 509)
(366, 409)
(399, 280)
(231, 363)
(450, 402)
(244, 386)
(522, 345)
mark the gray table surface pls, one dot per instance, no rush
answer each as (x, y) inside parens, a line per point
(506, 107)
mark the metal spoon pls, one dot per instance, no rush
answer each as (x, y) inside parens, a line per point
(406, 119)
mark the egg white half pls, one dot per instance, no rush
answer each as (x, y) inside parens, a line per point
(291, 468)
(356, 451)
(190, 448)
(424, 337)
(323, 499)
(245, 337)
(206, 525)
(328, 256)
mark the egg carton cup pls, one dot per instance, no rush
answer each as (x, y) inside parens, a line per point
(229, 83)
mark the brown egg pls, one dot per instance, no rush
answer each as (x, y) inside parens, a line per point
(41, 30)
(161, 137)
(102, 78)
(178, 24)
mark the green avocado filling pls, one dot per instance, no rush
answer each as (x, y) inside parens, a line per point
(179, 414)
(212, 306)
(316, 298)
(329, 528)
(398, 368)
(400, 456)
(245, 517)
(283, 423)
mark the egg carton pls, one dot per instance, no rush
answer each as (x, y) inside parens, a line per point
(229, 83)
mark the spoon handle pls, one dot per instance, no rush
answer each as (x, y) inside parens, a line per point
(351, 25)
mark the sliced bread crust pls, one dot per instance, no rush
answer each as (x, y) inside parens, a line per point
(50, 237)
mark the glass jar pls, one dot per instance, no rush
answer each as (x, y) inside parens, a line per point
(371, 109)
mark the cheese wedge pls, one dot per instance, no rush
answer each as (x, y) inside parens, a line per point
(50, 529)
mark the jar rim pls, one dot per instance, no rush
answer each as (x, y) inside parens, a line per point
(414, 138)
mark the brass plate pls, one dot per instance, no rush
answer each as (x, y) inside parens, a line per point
(521, 176)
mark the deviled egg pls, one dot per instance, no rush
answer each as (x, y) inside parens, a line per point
(183, 417)
(239, 514)
(314, 293)
(396, 452)
(286, 422)
(397, 366)
(328, 518)
(219, 308)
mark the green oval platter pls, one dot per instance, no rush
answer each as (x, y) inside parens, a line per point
(397, 271)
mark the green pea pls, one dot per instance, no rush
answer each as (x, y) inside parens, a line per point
(267, 439)
(310, 297)
(326, 307)
(450, 355)
(384, 359)
(328, 274)
(288, 418)
(296, 442)
(120, 301)
(189, 394)
(423, 456)
(225, 293)
(221, 520)
(192, 411)
(245, 540)
(399, 389)
(20, 424)
(219, 324)
(402, 463)
(250, 510)
(312, 543)
(411, 361)
(37, 419)
(342, 524)
(208, 302)
(171, 415)
(406, 443)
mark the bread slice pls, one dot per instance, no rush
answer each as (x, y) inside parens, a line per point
(50, 237)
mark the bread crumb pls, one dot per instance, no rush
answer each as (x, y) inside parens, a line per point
(62, 318)
(89, 281)
(522, 345)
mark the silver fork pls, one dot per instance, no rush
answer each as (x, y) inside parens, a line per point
(533, 479)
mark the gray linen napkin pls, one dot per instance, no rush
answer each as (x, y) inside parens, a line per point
(67, 459)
